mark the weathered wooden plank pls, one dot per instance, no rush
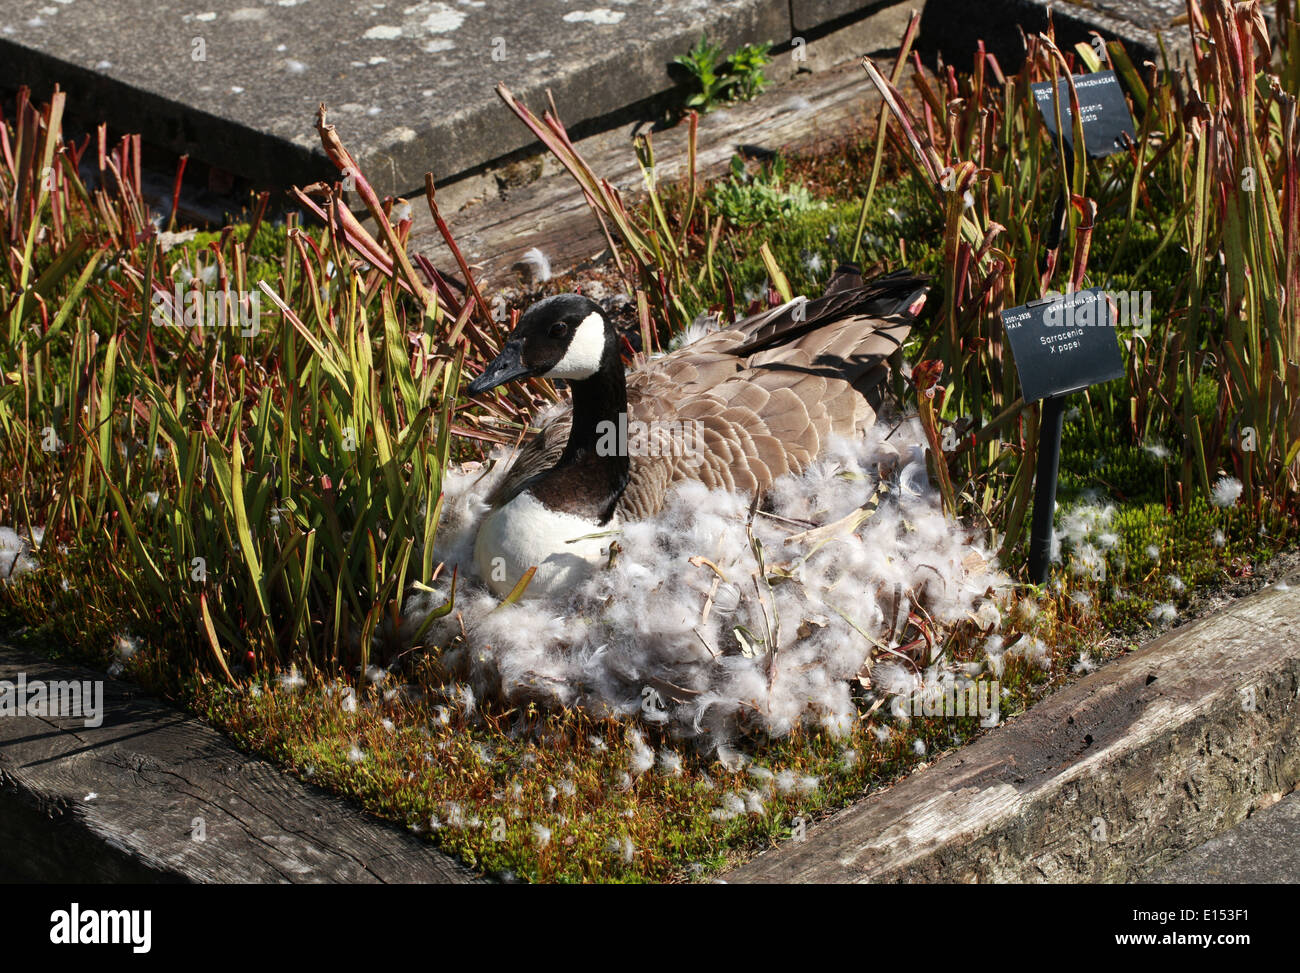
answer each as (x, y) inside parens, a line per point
(1103, 781)
(548, 212)
(119, 802)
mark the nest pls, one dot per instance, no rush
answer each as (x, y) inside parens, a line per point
(718, 617)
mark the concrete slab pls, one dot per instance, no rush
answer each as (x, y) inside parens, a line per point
(237, 82)
(1263, 849)
(808, 15)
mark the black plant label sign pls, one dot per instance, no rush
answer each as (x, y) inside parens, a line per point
(1105, 115)
(1064, 343)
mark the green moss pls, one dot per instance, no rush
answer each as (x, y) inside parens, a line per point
(265, 251)
(555, 802)
(1154, 550)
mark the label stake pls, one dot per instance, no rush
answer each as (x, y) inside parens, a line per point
(1049, 462)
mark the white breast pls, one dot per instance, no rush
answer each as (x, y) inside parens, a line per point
(525, 533)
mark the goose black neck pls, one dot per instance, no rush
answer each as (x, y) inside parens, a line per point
(592, 472)
(599, 403)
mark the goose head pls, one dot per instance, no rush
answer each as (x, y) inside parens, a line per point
(566, 336)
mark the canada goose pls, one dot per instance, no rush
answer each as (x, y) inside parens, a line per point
(735, 409)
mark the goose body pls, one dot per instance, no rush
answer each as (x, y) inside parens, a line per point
(736, 409)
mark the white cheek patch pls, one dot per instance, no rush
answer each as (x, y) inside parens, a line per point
(586, 350)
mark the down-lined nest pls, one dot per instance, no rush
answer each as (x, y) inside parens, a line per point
(715, 619)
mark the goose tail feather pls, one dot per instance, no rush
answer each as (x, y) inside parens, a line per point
(887, 298)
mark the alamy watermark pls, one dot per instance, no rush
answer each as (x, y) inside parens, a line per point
(1078, 309)
(982, 698)
(677, 437)
(75, 926)
(73, 699)
(191, 308)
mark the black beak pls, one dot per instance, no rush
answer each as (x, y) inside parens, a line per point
(505, 367)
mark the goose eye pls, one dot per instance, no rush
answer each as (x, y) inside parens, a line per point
(559, 329)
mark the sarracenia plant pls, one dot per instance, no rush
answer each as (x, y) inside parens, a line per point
(1219, 157)
(1239, 143)
(233, 450)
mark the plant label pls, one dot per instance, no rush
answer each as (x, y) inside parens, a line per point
(1064, 343)
(1105, 115)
